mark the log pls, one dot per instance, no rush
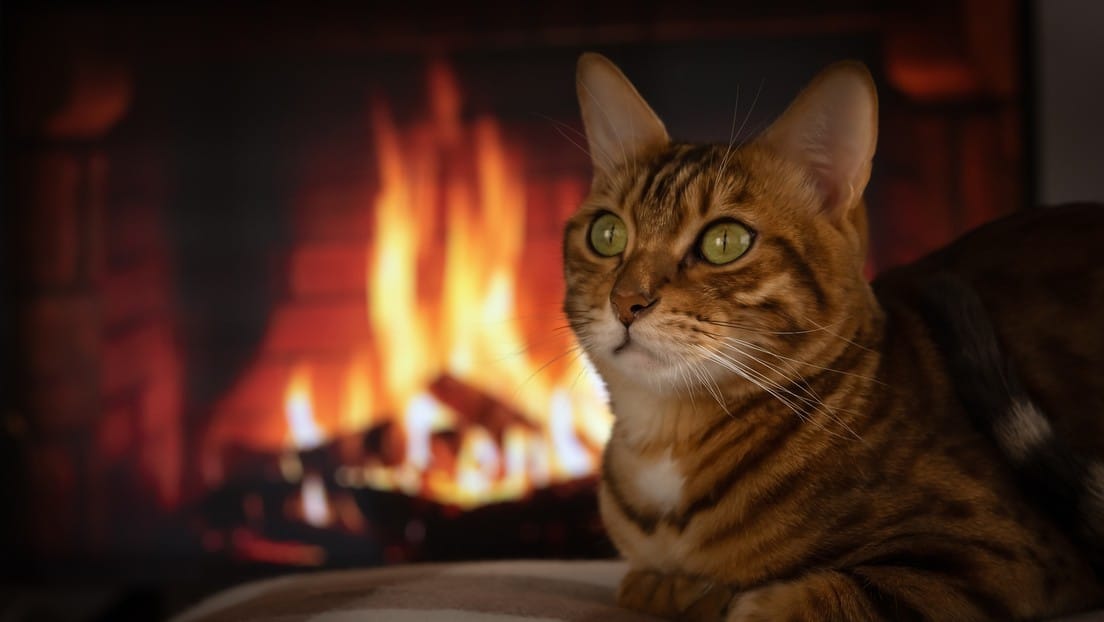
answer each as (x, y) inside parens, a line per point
(477, 407)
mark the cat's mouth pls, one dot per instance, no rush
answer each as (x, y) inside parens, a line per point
(629, 345)
(624, 344)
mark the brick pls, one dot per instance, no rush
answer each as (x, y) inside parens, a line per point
(61, 333)
(49, 193)
(133, 233)
(335, 212)
(54, 484)
(117, 433)
(329, 269)
(160, 423)
(307, 326)
(135, 290)
(131, 357)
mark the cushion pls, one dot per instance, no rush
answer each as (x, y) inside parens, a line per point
(513, 591)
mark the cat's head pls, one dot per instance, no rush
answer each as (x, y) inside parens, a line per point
(689, 265)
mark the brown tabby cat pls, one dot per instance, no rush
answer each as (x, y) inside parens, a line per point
(789, 444)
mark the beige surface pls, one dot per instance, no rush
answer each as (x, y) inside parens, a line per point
(514, 591)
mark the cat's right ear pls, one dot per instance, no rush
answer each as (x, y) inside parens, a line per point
(619, 124)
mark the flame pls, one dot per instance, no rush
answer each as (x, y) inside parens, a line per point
(448, 287)
(303, 429)
(316, 505)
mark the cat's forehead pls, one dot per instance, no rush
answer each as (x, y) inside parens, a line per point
(680, 184)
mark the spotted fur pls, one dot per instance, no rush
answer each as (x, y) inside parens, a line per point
(825, 466)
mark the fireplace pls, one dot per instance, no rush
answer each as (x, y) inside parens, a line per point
(286, 291)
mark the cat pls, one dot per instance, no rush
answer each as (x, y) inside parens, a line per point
(788, 441)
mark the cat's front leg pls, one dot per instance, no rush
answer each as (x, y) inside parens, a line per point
(873, 593)
(674, 596)
(818, 596)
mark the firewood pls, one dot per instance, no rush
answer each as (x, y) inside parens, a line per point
(476, 407)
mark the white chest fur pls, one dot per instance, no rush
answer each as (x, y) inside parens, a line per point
(659, 481)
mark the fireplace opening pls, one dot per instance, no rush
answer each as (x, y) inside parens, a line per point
(286, 292)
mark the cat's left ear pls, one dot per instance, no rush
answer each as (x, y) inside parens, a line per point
(831, 130)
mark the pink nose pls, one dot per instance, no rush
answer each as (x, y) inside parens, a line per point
(630, 304)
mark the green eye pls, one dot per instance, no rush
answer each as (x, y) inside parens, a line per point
(608, 235)
(724, 242)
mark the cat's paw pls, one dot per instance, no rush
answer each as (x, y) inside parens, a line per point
(675, 596)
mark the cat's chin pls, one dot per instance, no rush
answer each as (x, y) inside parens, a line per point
(640, 364)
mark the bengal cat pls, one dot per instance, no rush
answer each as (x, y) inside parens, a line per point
(789, 443)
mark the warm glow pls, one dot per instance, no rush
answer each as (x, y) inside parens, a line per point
(467, 413)
(316, 507)
(304, 430)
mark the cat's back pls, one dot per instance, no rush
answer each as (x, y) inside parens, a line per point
(1040, 276)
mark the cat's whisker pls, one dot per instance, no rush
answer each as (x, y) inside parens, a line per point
(816, 401)
(747, 116)
(577, 350)
(837, 335)
(741, 370)
(710, 385)
(754, 329)
(793, 377)
(560, 127)
(753, 346)
(776, 390)
(813, 400)
(732, 133)
(582, 148)
(751, 109)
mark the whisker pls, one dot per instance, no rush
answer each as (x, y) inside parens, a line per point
(777, 391)
(837, 335)
(732, 133)
(560, 126)
(751, 109)
(805, 363)
(576, 349)
(754, 329)
(814, 399)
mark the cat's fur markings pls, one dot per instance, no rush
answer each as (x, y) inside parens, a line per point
(788, 441)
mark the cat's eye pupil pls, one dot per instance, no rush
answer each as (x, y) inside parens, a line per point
(724, 242)
(608, 235)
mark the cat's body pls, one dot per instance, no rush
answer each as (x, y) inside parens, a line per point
(787, 445)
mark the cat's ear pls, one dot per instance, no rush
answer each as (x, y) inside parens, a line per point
(831, 129)
(619, 124)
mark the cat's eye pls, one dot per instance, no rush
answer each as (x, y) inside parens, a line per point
(608, 235)
(724, 242)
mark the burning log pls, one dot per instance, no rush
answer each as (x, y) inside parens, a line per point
(476, 407)
(385, 441)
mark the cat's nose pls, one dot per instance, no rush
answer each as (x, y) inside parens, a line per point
(630, 304)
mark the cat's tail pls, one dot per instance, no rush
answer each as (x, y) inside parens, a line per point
(1066, 484)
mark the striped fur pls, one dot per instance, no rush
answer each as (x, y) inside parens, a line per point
(1063, 480)
(815, 460)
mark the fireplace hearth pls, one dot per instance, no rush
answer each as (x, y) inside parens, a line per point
(285, 292)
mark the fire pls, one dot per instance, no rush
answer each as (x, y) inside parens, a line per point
(465, 412)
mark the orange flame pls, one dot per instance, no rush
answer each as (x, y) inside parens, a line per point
(445, 294)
